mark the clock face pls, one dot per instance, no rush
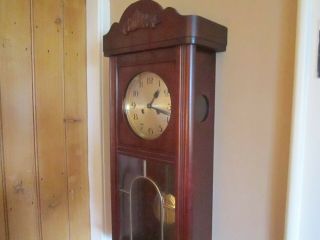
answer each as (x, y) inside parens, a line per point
(147, 105)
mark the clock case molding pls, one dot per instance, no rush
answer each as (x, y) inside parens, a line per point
(182, 50)
(145, 25)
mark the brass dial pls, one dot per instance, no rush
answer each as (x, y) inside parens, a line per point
(147, 105)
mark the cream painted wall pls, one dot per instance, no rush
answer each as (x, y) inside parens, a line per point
(253, 113)
(304, 189)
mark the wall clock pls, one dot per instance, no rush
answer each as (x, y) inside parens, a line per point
(162, 113)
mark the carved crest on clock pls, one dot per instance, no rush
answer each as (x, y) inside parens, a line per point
(140, 20)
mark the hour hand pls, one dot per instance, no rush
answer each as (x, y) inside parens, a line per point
(160, 110)
(155, 95)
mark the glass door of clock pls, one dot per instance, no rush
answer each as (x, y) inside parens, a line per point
(147, 200)
(146, 210)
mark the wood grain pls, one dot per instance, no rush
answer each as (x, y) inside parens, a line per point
(76, 115)
(17, 120)
(46, 198)
(49, 86)
(3, 217)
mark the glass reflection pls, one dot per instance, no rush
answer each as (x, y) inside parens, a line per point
(147, 199)
(144, 224)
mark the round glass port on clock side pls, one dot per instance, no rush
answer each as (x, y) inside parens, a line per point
(147, 105)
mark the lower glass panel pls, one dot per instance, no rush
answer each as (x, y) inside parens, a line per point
(147, 199)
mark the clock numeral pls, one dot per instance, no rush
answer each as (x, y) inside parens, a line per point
(149, 80)
(135, 93)
(140, 83)
(159, 83)
(135, 116)
(141, 126)
(160, 129)
(150, 131)
(133, 105)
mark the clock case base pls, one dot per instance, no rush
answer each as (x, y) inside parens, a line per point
(186, 147)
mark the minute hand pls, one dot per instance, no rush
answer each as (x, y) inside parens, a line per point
(159, 110)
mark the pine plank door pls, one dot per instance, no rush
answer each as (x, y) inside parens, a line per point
(44, 189)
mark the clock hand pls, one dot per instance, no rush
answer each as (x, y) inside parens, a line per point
(159, 110)
(155, 95)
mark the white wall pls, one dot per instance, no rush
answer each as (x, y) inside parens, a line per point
(98, 22)
(253, 113)
(304, 188)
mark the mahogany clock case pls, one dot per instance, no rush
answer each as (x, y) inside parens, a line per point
(162, 188)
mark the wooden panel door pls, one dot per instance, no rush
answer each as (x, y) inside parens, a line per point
(76, 117)
(17, 120)
(3, 223)
(49, 90)
(44, 191)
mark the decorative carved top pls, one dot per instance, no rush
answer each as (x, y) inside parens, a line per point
(145, 25)
(140, 20)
